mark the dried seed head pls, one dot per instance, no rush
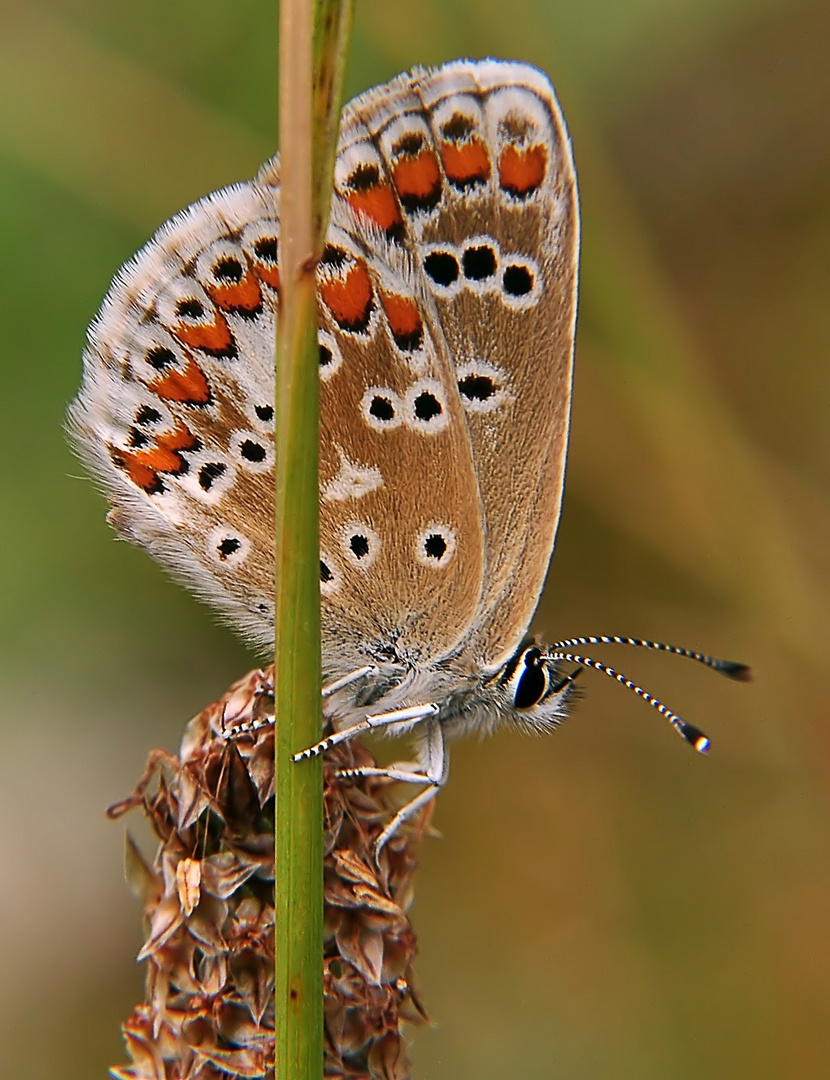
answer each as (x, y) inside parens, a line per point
(209, 908)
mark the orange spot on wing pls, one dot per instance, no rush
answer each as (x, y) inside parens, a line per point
(417, 178)
(269, 273)
(189, 386)
(349, 299)
(180, 438)
(143, 466)
(404, 320)
(143, 476)
(214, 337)
(379, 204)
(244, 295)
(521, 172)
(465, 163)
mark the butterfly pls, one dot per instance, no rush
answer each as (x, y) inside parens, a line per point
(447, 297)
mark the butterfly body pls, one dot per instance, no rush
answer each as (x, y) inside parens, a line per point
(446, 316)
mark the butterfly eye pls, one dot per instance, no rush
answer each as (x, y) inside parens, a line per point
(527, 675)
(529, 678)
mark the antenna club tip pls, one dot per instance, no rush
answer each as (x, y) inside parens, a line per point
(702, 744)
(695, 737)
(740, 672)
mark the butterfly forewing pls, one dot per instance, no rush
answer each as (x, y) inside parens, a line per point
(469, 170)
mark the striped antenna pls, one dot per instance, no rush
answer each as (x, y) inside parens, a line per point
(694, 736)
(731, 668)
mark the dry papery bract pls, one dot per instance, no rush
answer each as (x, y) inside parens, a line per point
(208, 901)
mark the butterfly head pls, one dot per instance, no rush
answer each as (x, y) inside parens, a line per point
(534, 690)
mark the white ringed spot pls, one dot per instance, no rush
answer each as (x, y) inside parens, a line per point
(227, 547)
(435, 545)
(425, 407)
(360, 544)
(381, 408)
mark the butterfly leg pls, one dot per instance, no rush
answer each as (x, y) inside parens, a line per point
(346, 680)
(372, 722)
(249, 727)
(434, 761)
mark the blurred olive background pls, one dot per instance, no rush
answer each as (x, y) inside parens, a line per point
(603, 902)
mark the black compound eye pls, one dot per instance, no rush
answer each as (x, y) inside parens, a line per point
(533, 681)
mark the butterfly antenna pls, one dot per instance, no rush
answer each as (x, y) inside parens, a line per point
(694, 736)
(731, 668)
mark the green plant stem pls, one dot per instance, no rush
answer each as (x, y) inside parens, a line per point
(309, 106)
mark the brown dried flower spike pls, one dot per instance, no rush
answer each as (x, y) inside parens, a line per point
(209, 908)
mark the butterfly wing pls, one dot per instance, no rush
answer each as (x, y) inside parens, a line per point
(400, 517)
(469, 170)
(175, 417)
(446, 308)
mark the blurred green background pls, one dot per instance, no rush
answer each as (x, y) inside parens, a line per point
(603, 902)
